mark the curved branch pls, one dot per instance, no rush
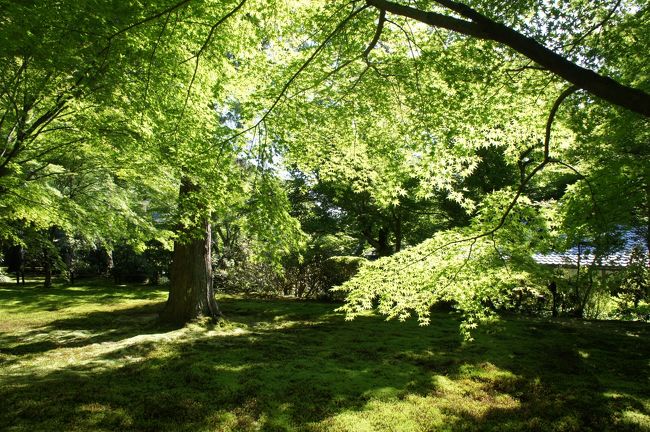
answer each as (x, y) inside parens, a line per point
(153, 17)
(375, 39)
(295, 75)
(582, 177)
(522, 185)
(549, 123)
(482, 27)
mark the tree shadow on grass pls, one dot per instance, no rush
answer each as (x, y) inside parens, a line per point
(111, 326)
(304, 371)
(34, 297)
(567, 375)
(84, 330)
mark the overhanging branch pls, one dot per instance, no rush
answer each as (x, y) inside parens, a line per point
(525, 180)
(482, 27)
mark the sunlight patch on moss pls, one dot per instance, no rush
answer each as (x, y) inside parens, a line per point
(635, 418)
(413, 414)
(114, 367)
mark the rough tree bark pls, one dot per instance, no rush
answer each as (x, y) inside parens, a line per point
(191, 293)
(479, 26)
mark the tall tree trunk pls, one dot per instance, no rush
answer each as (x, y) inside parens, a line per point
(191, 293)
(20, 273)
(109, 263)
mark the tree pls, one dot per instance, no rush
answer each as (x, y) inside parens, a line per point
(396, 100)
(404, 80)
(161, 82)
(72, 162)
(209, 144)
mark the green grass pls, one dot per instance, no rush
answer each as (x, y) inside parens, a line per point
(94, 358)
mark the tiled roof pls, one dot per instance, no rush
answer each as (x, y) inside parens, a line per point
(618, 258)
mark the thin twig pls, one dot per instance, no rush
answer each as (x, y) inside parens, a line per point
(149, 18)
(295, 75)
(522, 186)
(197, 56)
(582, 37)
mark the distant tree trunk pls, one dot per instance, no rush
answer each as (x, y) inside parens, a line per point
(585, 298)
(398, 233)
(191, 293)
(358, 250)
(578, 311)
(107, 265)
(47, 269)
(383, 247)
(552, 287)
(380, 244)
(20, 269)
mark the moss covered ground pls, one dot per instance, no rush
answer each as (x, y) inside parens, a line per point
(93, 357)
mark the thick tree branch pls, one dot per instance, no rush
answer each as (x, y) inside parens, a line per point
(375, 39)
(482, 27)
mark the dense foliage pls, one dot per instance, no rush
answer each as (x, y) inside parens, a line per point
(287, 145)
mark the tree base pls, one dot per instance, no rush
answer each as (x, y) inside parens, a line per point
(191, 294)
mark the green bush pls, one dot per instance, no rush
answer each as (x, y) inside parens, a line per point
(337, 270)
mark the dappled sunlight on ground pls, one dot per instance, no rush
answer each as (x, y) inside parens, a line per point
(288, 365)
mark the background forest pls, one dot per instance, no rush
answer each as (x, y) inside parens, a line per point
(178, 177)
